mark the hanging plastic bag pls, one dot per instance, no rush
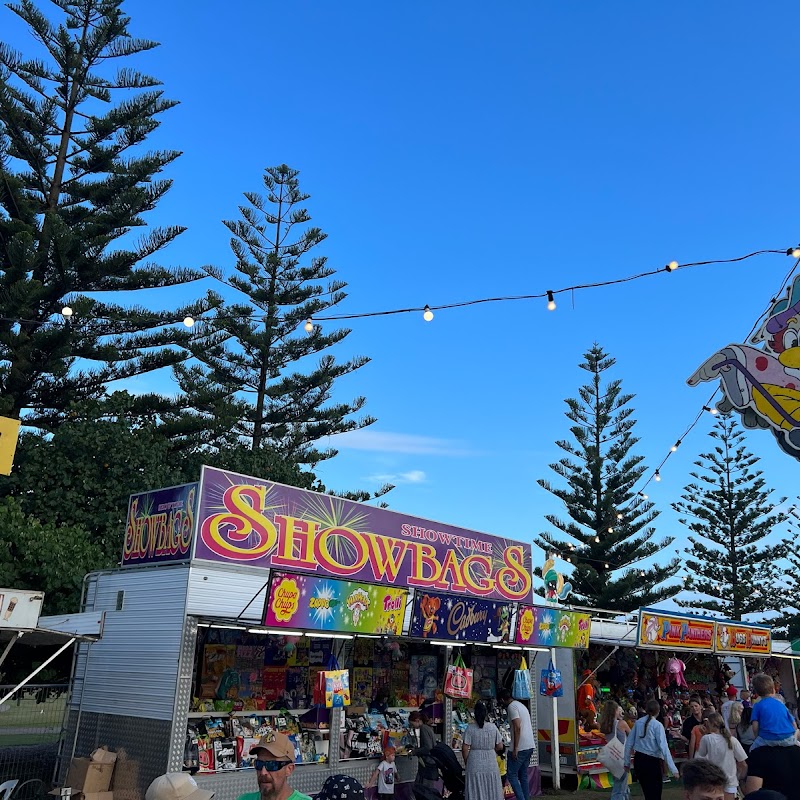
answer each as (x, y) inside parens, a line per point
(337, 685)
(521, 689)
(550, 685)
(611, 755)
(458, 681)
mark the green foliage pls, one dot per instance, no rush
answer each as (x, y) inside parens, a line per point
(250, 375)
(45, 556)
(83, 474)
(609, 529)
(74, 184)
(727, 509)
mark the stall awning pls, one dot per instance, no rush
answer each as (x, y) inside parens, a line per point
(55, 630)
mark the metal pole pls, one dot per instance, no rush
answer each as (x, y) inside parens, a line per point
(38, 670)
(555, 750)
(10, 644)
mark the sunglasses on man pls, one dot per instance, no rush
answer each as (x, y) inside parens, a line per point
(270, 766)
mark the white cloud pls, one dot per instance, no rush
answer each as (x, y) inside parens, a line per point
(388, 442)
(412, 476)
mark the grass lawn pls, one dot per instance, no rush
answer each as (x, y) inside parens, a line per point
(30, 722)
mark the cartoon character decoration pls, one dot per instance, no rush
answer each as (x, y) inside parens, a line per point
(564, 625)
(555, 588)
(674, 672)
(429, 606)
(762, 382)
(357, 604)
(503, 622)
(651, 629)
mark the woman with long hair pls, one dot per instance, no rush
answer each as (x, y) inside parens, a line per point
(719, 747)
(649, 739)
(613, 725)
(744, 730)
(482, 743)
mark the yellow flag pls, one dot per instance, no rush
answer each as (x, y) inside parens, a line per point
(9, 434)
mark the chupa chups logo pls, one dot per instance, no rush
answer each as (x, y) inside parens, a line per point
(286, 600)
(526, 624)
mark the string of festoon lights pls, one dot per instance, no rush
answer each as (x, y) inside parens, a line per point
(427, 310)
(573, 551)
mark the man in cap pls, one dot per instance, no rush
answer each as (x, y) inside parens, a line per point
(176, 786)
(274, 765)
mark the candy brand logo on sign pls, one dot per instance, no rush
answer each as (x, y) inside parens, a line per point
(286, 600)
(248, 520)
(307, 601)
(441, 616)
(738, 639)
(660, 629)
(547, 626)
(160, 525)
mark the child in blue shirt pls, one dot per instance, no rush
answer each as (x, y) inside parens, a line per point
(772, 723)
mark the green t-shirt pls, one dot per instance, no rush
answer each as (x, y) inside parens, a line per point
(295, 795)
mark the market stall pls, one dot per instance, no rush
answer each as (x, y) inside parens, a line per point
(235, 594)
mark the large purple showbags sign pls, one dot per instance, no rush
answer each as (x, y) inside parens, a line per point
(244, 520)
(160, 525)
(463, 619)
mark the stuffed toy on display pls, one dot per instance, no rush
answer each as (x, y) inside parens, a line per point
(675, 672)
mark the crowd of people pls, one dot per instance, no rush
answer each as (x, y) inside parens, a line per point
(752, 739)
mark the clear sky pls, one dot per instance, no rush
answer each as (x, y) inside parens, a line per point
(457, 150)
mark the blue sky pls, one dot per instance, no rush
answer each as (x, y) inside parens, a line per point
(457, 150)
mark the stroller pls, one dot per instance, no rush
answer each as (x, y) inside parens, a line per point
(451, 772)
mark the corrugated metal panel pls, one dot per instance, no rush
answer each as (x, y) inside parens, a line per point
(133, 669)
(227, 591)
(89, 623)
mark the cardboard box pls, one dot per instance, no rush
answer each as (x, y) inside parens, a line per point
(89, 777)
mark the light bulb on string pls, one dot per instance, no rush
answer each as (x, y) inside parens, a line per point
(188, 322)
(619, 516)
(657, 476)
(606, 566)
(597, 539)
(611, 530)
(309, 325)
(551, 302)
(427, 314)
(675, 446)
(672, 266)
(795, 252)
(66, 312)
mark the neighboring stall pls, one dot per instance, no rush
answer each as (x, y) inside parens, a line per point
(234, 594)
(633, 657)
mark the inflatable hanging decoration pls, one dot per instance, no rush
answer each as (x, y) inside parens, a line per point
(555, 589)
(761, 380)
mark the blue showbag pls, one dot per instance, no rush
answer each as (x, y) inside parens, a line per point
(550, 685)
(521, 689)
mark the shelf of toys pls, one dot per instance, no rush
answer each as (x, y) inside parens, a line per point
(246, 685)
(632, 676)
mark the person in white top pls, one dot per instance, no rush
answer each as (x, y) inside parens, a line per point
(719, 747)
(522, 744)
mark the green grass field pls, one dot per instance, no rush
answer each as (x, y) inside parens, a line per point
(29, 722)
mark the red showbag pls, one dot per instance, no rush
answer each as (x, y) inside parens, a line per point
(458, 681)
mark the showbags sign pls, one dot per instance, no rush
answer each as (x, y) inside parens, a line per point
(160, 526)
(441, 616)
(245, 520)
(322, 604)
